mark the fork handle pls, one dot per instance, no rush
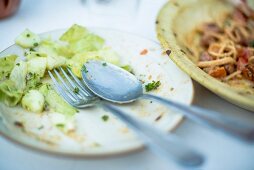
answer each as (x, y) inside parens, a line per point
(165, 145)
(210, 119)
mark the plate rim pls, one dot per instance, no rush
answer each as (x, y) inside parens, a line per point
(103, 155)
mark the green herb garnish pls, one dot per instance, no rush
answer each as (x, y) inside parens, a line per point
(27, 35)
(105, 118)
(127, 68)
(60, 125)
(104, 64)
(76, 90)
(36, 44)
(18, 64)
(84, 69)
(152, 86)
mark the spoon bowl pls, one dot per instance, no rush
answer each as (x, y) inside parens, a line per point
(120, 87)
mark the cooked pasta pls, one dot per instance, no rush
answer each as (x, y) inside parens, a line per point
(228, 50)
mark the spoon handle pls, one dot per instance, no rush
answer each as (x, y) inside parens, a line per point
(210, 119)
(165, 145)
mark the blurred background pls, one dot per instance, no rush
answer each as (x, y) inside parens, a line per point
(41, 16)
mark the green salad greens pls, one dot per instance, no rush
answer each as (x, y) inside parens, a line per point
(26, 82)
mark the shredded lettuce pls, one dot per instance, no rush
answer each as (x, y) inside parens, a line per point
(55, 102)
(74, 34)
(105, 54)
(91, 42)
(55, 48)
(33, 81)
(9, 94)
(33, 101)
(6, 66)
(22, 80)
(55, 62)
(28, 39)
(18, 75)
(33, 54)
(37, 66)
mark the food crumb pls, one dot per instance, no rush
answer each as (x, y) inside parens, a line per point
(149, 77)
(144, 52)
(105, 118)
(19, 124)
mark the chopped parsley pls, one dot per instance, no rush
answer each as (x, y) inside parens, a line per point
(105, 118)
(60, 125)
(104, 64)
(36, 44)
(84, 69)
(18, 64)
(40, 127)
(127, 68)
(27, 35)
(152, 86)
(76, 90)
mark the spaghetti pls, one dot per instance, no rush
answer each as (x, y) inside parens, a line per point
(228, 49)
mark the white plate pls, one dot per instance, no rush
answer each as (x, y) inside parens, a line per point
(94, 137)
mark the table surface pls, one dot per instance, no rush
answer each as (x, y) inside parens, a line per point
(223, 152)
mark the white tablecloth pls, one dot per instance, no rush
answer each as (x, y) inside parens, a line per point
(223, 152)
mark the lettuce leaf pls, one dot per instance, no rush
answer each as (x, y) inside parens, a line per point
(91, 42)
(56, 102)
(105, 54)
(37, 66)
(33, 101)
(28, 39)
(33, 81)
(74, 34)
(18, 75)
(6, 65)
(54, 48)
(9, 95)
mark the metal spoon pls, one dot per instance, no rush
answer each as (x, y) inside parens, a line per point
(114, 84)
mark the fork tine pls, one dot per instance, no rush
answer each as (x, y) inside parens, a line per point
(64, 85)
(80, 83)
(74, 84)
(60, 90)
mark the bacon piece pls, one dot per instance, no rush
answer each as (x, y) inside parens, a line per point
(211, 27)
(248, 72)
(239, 17)
(246, 9)
(230, 68)
(241, 63)
(243, 55)
(218, 72)
(205, 57)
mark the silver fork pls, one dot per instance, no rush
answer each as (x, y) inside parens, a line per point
(165, 145)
